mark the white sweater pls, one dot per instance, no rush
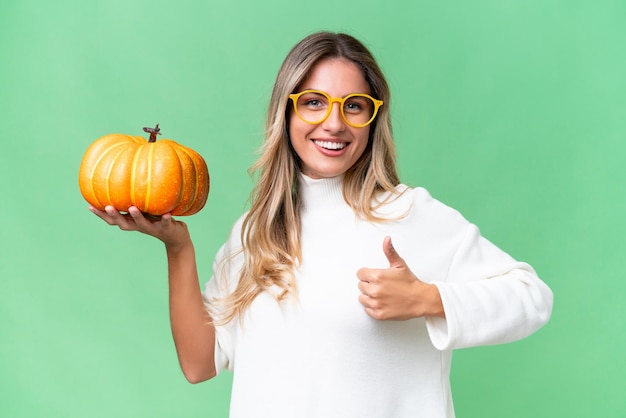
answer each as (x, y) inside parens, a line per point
(322, 356)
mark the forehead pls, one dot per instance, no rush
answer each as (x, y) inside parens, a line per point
(336, 76)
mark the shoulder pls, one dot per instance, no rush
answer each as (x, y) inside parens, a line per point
(424, 201)
(228, 261)
(417, 203)
(233, 244)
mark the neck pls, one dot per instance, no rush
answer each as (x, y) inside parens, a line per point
(317, 193)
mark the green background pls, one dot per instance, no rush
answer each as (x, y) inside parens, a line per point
(512, 111)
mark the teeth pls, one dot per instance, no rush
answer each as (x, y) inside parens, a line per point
(331, 145)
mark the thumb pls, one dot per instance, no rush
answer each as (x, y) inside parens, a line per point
(392, 256)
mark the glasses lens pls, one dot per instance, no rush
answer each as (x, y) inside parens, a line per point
(312, 106)
(358, 109)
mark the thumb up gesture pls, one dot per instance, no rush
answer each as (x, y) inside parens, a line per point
(395, 293)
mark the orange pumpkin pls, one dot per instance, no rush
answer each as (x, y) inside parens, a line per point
(155, 176)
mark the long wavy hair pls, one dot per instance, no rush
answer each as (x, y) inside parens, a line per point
(270, 234)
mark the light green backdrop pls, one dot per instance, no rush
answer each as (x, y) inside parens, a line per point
(512, 111)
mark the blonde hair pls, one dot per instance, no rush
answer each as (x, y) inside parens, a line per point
(270, 233)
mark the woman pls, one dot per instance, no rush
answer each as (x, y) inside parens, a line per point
(311, 305)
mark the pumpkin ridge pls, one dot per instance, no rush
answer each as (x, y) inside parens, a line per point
(133, 174)
(95, 166)
(149, 175)
(189, 202)
(108, 176)
(192, 199)
(176, 148)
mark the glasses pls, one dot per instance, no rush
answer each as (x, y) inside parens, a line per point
(314, 106)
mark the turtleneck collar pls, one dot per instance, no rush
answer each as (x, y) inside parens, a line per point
(316, 193)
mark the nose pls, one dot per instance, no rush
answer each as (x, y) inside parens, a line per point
(334, 122)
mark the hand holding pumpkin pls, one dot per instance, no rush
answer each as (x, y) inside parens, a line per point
(173, 233)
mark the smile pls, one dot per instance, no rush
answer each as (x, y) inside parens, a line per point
(331, 145)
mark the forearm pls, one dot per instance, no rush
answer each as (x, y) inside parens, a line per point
(194, 335)
(491, 311)
(489, 297)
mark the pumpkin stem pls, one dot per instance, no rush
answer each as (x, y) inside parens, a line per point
(153, 132)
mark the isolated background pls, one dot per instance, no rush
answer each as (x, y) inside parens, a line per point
(512, 111)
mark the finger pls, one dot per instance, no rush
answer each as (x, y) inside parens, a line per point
(135, 213)
(371, 307)
(364, 287)
(392, 255)
(376, 313)
(117, 218)
(106, 215)
(364, 274)
(369, 275)
(168, 221)
(366, 301)
(99, 213)
(143, 222)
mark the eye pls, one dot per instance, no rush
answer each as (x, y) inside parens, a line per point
(312, 101)
(356, 105)
(352, 106)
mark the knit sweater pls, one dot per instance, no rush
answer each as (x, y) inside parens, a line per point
(320, 355)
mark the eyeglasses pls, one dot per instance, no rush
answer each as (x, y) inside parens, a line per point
(314, 106)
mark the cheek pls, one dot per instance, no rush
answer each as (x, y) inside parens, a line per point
(297, 129)
(290, 124)
(296, 136)
(363, 138)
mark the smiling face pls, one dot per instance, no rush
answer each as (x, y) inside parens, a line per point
(330, 148)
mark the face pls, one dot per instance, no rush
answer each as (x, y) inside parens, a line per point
(330, 148)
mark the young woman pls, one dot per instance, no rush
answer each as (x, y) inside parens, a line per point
(341, 292)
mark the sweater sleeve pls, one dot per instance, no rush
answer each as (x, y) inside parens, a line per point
(226, 270)
(488, 297)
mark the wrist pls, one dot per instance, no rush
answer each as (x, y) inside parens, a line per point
(430, 304)
(435, 302)
(178, 248)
